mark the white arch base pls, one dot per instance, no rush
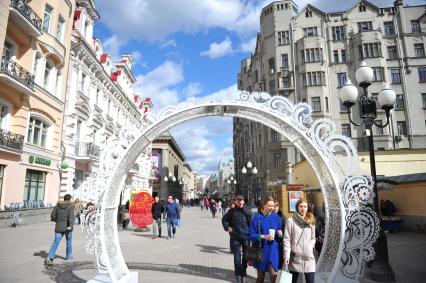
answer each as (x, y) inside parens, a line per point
(351, 225)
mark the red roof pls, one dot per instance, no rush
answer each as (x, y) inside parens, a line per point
(104, 58)
(114, 75)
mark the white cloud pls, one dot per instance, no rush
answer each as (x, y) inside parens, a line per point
(155, 20)
(192, 89)
(217, 50)
(160, 84)
(249, 45)
(168, 43)
(112, 46)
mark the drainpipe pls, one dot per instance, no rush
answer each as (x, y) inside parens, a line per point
(401, 56)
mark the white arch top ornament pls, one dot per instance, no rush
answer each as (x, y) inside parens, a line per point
(351, 224)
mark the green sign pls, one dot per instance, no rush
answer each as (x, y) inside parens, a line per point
(39, 160)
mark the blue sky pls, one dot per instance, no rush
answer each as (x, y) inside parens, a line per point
(190, 50)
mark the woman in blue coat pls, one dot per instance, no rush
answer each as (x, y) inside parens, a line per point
(265, 228)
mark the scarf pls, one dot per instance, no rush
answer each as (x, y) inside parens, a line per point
(300, 220)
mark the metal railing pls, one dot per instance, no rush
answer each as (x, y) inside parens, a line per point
(27, 12)
(14, 70)
(87, 149)
(11, 140)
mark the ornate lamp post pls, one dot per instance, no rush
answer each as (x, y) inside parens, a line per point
(232, 183)
(249, 171)
(380, 269)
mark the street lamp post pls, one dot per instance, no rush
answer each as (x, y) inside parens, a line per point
(379, 269)
(232, 183)
(250, 171)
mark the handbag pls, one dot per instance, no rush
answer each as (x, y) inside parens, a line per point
(284, 276)
(255, 252)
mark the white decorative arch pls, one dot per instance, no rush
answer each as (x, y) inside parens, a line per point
(351, 225)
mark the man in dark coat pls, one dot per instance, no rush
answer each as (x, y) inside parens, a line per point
(63, 215)
(157, 210)
(173, 215)
(237, 222)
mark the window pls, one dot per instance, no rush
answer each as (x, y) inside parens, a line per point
(378, 130)
(284, 37)
(284, 60)
(422, 74)
(312, 55)
(316, 104)
(343, 52)
(370, 50)
(310, 31)
(378, 74)
(395, 76)
(37, 67)
(78, 131)
(346, 130)
(271, 63)
(389, 28)
(60, 28)
(274, 135)
(34, 185)
(58, 83)
(365, 26)
(341, 79)
(419, 50)
(399, 103)
(415, 26)
(37, 132)
(8, 50)
(336, 56)
(308, 14)
(285, 82)
(4, 113)
(277, 159)
(47, 18)
(392, 55)
(401, 128)
(272, 86)
(362, 8)
(327, 109)
(342, 107)
(338, 32)
(48, 72)
(313, 78)
(424, 100)
(260, 139)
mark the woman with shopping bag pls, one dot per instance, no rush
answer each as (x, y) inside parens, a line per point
(299, 243)
(264, 232)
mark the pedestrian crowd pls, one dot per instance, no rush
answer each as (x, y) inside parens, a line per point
(270, 242)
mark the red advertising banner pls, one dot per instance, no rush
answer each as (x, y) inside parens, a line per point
(140, 209)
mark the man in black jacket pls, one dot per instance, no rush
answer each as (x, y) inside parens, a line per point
(157, 209)
(236, 222)
(63, 215)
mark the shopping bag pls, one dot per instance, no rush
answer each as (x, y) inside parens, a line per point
(284, 276)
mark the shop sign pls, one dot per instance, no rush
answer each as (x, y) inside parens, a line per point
(39, 160)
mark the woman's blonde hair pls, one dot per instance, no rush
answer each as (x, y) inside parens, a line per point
(309, 217)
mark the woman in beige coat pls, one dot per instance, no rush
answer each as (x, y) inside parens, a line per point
(299, 243)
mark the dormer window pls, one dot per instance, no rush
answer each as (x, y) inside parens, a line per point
(308, 14)
(362, 8)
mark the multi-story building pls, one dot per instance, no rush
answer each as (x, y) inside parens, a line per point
(308, 57)
(101, 114)
(226, 171)
(170, 161)
(35, 46)
(188, 182)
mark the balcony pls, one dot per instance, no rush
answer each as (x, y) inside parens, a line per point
(16, 76)
(22, 14)
(11, 141)
(87, 150)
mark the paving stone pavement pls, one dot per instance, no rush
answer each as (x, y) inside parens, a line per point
(199, 253)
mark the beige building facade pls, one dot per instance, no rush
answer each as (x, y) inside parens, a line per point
(35, 46)
(308, 55)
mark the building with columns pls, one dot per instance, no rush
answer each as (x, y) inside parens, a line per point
(102, 116)
(34, 47)
(169, 164)
(307, 55)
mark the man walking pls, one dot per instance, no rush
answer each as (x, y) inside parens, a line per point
(236, 222)
(157, 209)
(63, 215)
(173, 215)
